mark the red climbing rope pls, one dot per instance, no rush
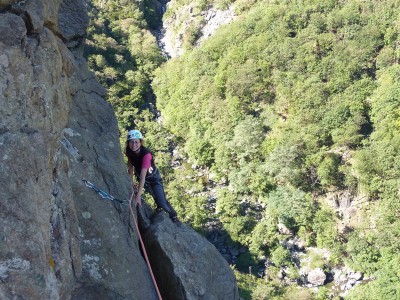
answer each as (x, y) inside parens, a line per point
(142, 244)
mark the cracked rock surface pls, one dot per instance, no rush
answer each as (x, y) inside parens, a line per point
(58, 239)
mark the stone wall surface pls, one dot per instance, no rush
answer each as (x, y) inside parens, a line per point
(4, 3)
(58, 239)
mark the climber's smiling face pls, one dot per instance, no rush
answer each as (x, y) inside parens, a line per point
(135, 145)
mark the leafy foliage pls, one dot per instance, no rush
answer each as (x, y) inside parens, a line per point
(293, 207)
(290, 101)
(275, 102)
(123, 54)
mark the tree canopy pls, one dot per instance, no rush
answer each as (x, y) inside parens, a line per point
(290, 102)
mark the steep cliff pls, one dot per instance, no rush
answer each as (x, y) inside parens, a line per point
(58, 239)
(188, 25)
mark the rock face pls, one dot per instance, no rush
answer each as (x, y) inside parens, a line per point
(58, 238)
(56, 129)
(3, 3)
(184, 20)
(186, 265)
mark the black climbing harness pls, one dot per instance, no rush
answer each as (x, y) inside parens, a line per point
(102, 193)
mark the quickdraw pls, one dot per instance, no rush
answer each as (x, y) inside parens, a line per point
(106, 195)
(102, 193)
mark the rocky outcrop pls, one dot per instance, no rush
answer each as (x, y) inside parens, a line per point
(347, 207)
(316, 277)
(58, 238)
(186, 265)
(345, 279)
(188, 20)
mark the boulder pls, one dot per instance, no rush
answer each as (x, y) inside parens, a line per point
(284, 230)
(186, 265)
(72, 20)
(316, 277)
(356, 276)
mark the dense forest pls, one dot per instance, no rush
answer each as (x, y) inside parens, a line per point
(293, 104)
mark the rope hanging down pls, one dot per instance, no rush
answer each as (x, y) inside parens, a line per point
(142, 243)
(106, 195)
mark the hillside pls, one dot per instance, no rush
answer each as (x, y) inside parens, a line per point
(285, 130)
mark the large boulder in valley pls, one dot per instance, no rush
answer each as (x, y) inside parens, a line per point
(316, 277)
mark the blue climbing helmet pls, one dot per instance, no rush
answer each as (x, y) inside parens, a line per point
(134, 134)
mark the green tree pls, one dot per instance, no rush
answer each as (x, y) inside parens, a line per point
(293, 207)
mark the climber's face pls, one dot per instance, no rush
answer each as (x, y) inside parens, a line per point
(135, 144)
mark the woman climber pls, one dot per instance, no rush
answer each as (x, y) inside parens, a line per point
(141, 163)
